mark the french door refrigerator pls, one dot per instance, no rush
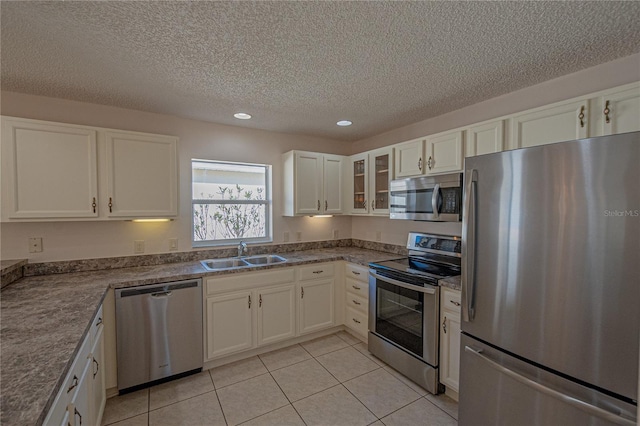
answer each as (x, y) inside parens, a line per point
(551, 285)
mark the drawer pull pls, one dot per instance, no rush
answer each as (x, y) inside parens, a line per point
(356, 287)
(77, 413)
(318, 272)
(444, 325)
(97, 368)
(74, 383)
(454, 302)
(355, 273)
(99, 321)
(356, 302)
(355, 320)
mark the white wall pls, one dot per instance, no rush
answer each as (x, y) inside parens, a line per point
(81, 240)
(601, 77)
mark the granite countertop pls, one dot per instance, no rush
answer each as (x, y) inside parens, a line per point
(10, 271)
(451, 282)
(44, 319)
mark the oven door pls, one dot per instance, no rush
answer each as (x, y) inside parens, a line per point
(405, 315)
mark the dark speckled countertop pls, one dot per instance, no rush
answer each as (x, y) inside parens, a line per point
(44, 319)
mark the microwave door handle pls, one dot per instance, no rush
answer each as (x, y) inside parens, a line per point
(434, 200)
(469, 245)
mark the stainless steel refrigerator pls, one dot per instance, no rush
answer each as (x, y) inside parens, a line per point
(551, 285)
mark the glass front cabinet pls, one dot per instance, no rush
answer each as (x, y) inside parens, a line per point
(371, 173)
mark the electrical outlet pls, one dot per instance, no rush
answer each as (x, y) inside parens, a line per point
(285, 237)
(138, 246)
(35, 245)
(378, 236)
(298, 236)
(173, 244)
(335, 234)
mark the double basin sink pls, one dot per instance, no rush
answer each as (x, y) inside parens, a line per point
(240, 262)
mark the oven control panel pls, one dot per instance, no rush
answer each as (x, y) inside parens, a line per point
(435, 243)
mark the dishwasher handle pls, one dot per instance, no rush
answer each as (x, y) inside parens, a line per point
(161, 294)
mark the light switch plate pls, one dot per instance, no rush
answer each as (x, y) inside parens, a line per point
(335, 234)
(298, 236)
(173, 244)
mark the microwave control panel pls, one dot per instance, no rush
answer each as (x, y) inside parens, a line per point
(450, 200)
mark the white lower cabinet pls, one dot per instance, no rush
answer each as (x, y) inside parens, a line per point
(357, 299)
(82, 397)
(450, 340)
(248, 310)
(229, 323)
(316, 293)
(276, 314)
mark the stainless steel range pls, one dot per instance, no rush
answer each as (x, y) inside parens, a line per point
(404, 306)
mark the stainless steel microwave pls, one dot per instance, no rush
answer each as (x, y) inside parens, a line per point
(430, 198)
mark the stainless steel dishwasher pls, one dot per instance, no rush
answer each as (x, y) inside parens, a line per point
(159, 333)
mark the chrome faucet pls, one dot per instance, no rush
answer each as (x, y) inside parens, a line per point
(242, 248)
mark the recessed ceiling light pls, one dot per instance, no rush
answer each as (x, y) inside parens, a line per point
(242, 115)
(344, 123)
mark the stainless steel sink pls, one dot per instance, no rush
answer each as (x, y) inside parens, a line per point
(267, 259)
(218, 264)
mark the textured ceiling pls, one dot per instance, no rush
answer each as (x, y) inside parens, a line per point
(299, 67)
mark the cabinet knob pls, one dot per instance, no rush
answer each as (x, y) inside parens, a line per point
(319, 271)
(356, 287)
(99, 322)
(430, 162)
(444, 325)
(97, 368)
(420, 164)
(581, 116)
(110, 205)
(318, 205)
(606, 112)
(260, 301)
(355, 302)
(249, 301)
(373, 204)
(93, 204)
(454, 302)
(355, 320)
(301, 292)
(74, 383)
(326, 205)
(77, 413)
(355, 273)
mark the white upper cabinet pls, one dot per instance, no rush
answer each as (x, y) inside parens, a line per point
(312, 183)
(48, 170)
(142, 175)
(370, 173)
(444, 153)
(620, 110)
(485, 138)
(54, 171)
(332, 177)
(409, 158)
(557, 123)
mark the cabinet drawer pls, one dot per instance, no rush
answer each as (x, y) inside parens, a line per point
(313, 272)
(356, 272)
(358, 303)
(96, 325)
(358, 287)
(451, 300)
(357, 321)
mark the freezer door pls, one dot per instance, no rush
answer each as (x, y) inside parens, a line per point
(551, 257)
(498, 389)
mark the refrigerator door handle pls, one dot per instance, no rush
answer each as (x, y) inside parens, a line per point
(581, 405)
(468, 245)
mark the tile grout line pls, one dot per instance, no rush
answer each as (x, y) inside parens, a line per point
(440, 408)
(217, 397)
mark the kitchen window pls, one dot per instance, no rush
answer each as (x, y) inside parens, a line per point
(231, 202)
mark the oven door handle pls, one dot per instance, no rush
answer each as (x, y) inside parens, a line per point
(426, 290)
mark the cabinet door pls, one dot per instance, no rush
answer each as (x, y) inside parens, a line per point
(485, 139)
(558, 123)
(79, 408)
(316, 305)
(621, 111)
(409, 158)
(444, 153)
(229, 323)
(142, 175)
(276, 314)
(98, 385)
(380, 172)
(49, 170)
(360, 183)
(332, 178)
(450, 341)
(308, 182)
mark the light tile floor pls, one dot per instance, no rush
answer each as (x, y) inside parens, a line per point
(332, 380)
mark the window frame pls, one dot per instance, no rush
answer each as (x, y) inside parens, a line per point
(267, 202)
